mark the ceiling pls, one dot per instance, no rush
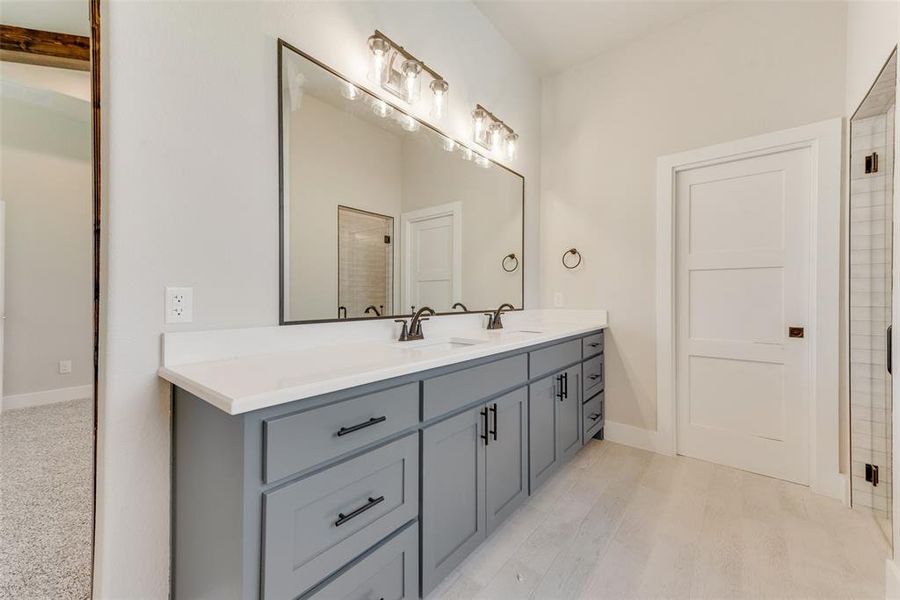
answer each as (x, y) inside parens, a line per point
(61, 16)
(555, 34)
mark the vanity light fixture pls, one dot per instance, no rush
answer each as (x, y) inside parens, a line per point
(482, 161)
(382, 108)
(408, 123)
(401, 73)
(491, 133)
(349, 91)
(468, 153)
(448, 144)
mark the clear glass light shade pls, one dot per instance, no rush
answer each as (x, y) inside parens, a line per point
(382, 108)
(439, 89)
(408, 123)
(512, 143)
(349, 91)
(482, 161)
(379, 48)
(412, 82)
(479, 118)
(496, 137)
(448, 144)
(467, 154)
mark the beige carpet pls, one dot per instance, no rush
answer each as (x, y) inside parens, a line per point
(46, 501)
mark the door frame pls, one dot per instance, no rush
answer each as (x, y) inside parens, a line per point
(407, 219)
(824, 140)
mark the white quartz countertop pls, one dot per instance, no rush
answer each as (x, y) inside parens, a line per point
(241, 370)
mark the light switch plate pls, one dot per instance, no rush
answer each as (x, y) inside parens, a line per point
(179, 305)
(558, 300)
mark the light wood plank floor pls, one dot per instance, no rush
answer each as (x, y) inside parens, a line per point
(618, 522)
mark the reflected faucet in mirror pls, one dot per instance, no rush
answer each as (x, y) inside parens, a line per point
(460, 305)
(342, 312)
(414, 330)
(371, 308)
(494, 321)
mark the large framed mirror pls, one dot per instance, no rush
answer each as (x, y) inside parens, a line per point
(381, 212)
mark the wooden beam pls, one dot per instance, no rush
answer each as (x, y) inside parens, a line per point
(46, 48)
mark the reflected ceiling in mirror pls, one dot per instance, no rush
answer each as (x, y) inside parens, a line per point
(381, 212)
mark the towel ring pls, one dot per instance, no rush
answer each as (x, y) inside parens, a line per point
(510, 257)
(574, 252)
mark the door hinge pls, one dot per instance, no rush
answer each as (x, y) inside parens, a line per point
(872, 474)
(872, 163)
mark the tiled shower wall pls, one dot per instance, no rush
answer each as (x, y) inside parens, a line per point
(871, 221)
(365, 261)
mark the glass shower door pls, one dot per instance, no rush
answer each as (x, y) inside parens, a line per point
(870, 274)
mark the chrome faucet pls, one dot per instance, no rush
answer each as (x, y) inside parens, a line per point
(414, 331)
(494, 321)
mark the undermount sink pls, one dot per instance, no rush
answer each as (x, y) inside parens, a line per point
(444, 344)
(516, 332)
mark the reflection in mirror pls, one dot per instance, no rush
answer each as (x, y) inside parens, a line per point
(46, 305)
(381, 213)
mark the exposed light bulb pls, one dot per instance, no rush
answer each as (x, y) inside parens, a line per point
(382, 108)
(482, 161)
(379, 48)
(439, 88)
(411, 80)
(448, 144)
(496, 131)
(511, 145)
(479, 116)
(408, 123)
(349, 91)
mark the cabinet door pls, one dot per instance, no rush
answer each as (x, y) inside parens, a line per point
(568, 419)
(542, 400)
(506, 473)
(453, 522)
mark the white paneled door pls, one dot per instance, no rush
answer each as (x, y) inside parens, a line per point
(432, 256)
(742, 269)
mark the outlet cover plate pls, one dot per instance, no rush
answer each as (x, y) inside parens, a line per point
(179, 305)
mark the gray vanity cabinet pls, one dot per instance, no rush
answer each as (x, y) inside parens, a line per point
(453, 522)
(507, 457)
(554, 422)
(568, 421)
(474, 475)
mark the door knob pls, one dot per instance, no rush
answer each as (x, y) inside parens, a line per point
(796, 332)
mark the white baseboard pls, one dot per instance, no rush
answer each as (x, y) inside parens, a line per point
(891, 580)
(636, 437)
(47, 397)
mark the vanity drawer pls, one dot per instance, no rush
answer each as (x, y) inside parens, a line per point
(314, 526)
(443, 394)
(592, 344)
(593, 416)
(391, 572)
(593, 375)
(554, 358)
(300, 440)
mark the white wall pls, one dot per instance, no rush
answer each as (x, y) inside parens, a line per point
(733, 71)
(45, 180)
(191, 185)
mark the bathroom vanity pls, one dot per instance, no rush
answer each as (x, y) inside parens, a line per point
(373, 476)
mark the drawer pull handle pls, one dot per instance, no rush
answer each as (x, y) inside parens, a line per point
(369, 423)
(594, 416)
(594, 376)
(342, 518)
(594, 344)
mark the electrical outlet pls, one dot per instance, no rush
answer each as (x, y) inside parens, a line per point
(558, 300)
(65, 367)
(179, 304)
